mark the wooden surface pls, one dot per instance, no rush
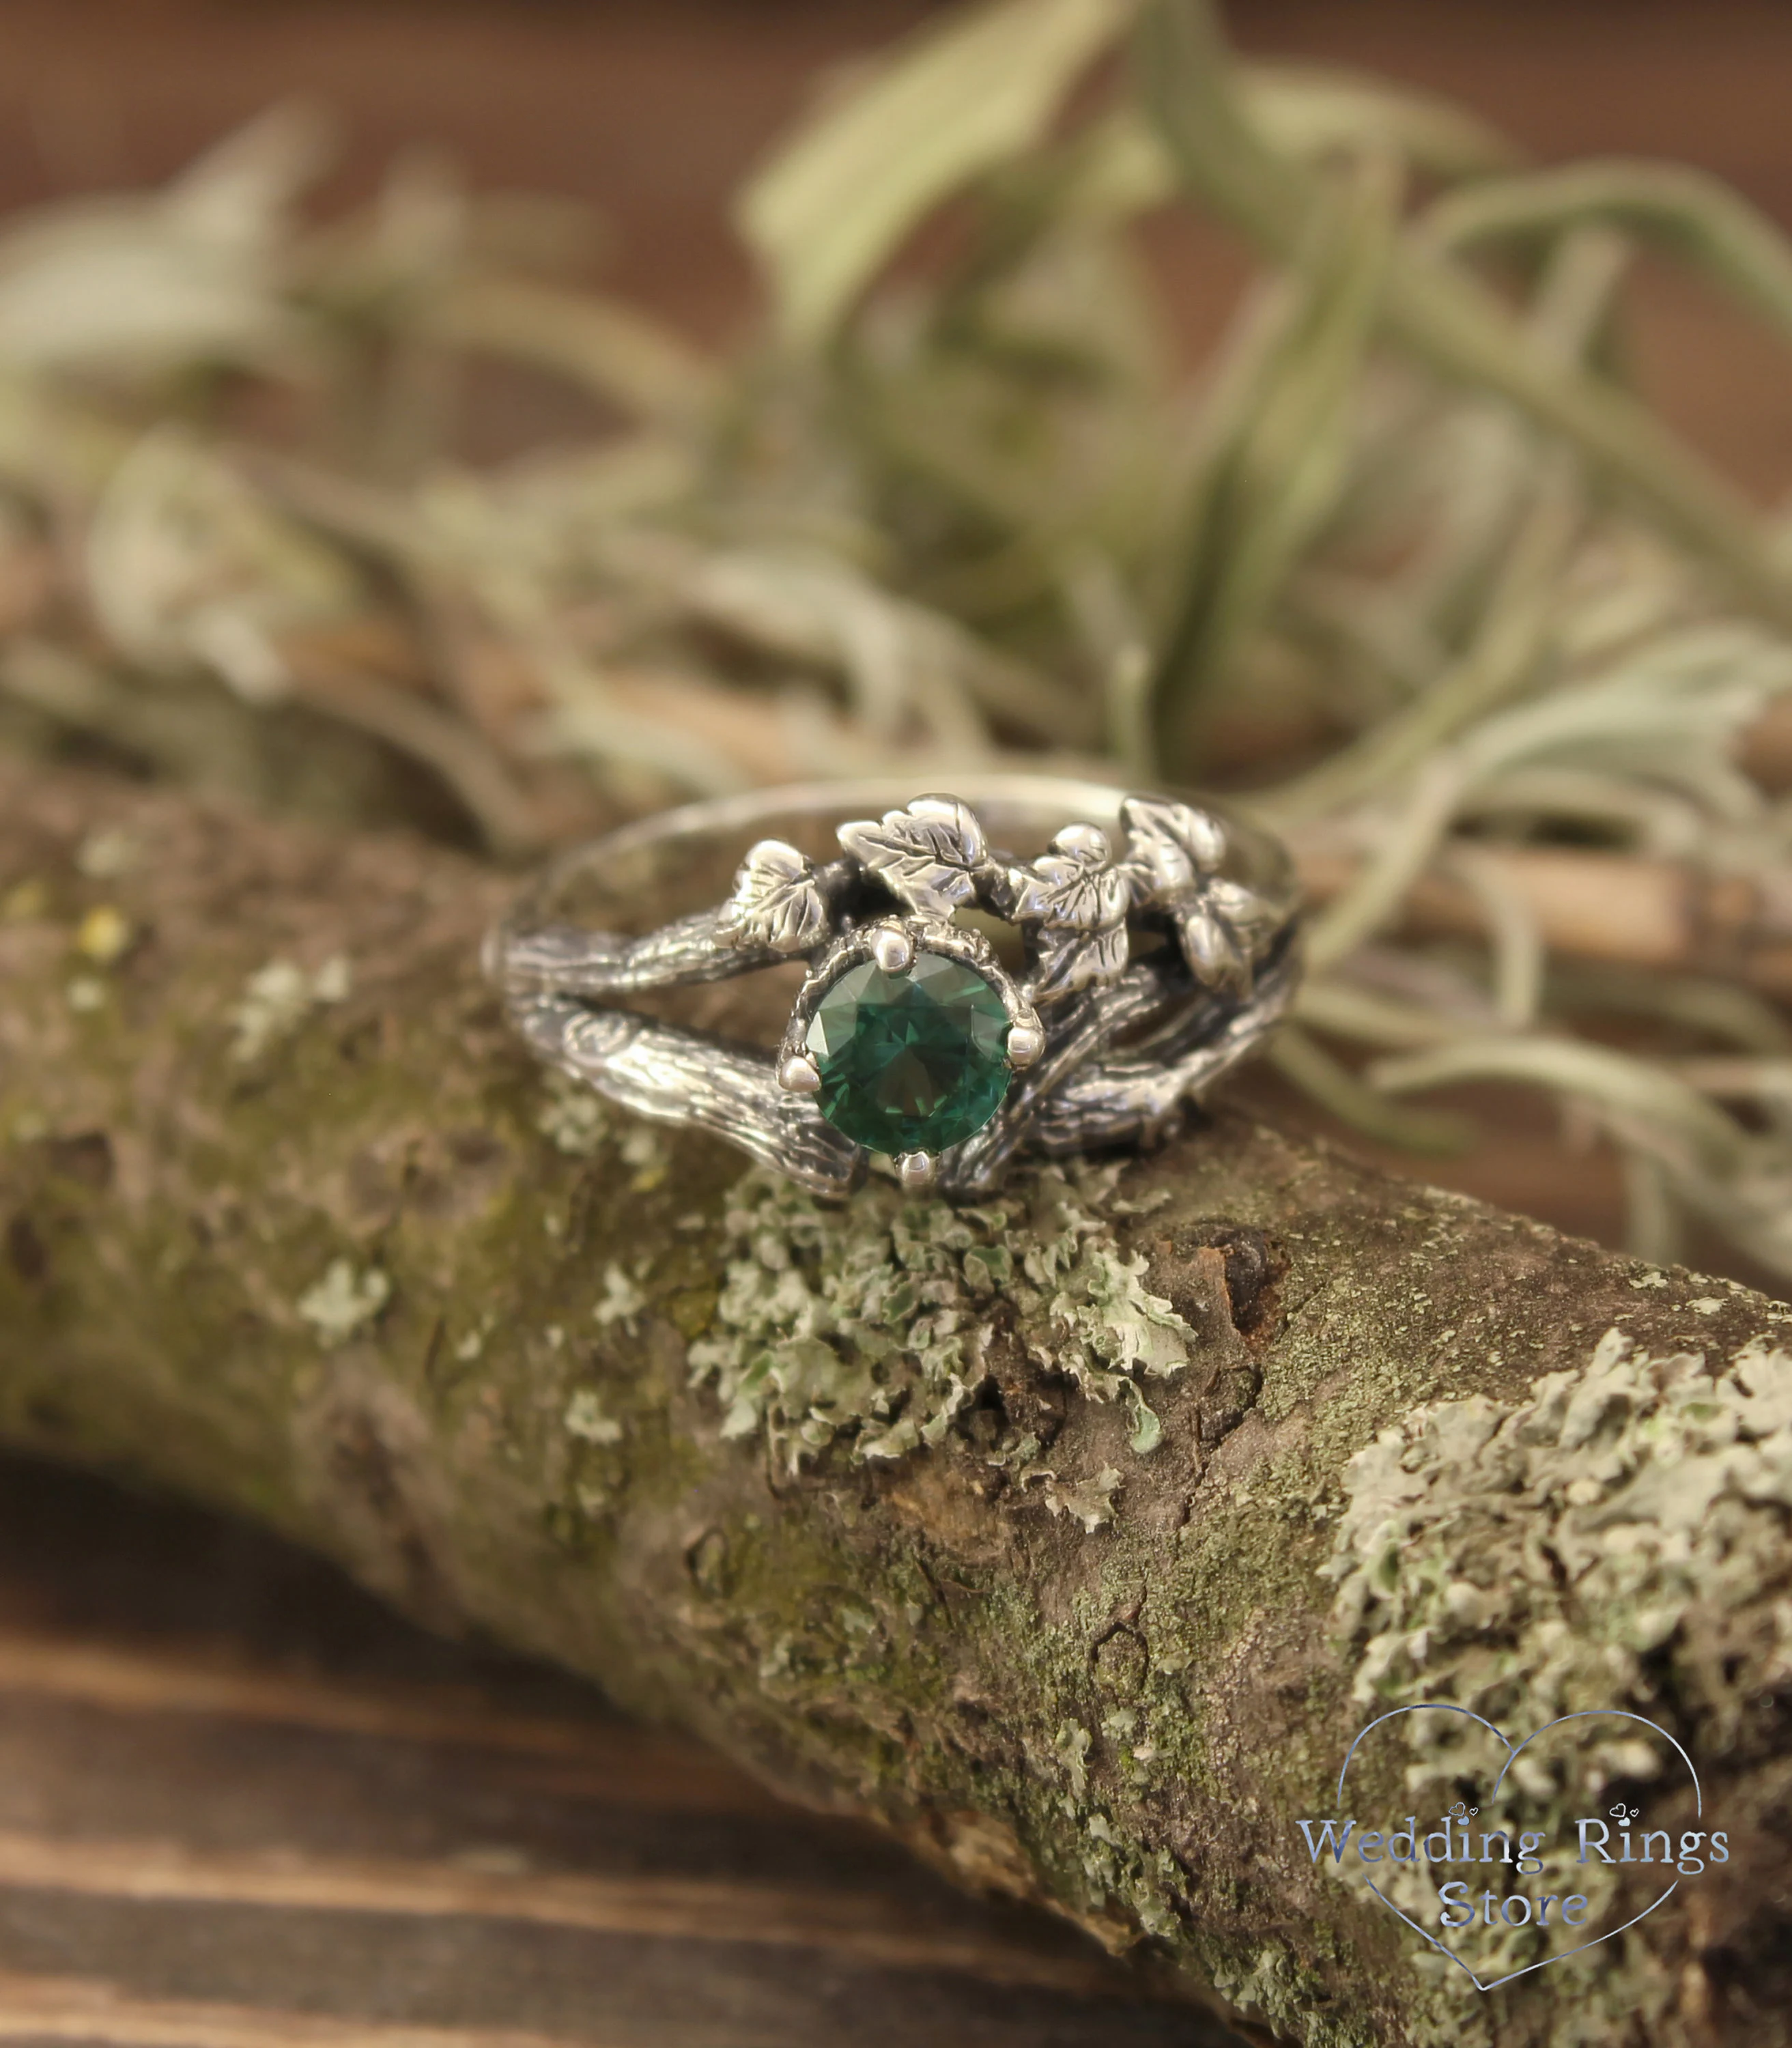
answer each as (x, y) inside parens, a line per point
(241, 1807)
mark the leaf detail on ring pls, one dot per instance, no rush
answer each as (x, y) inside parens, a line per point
(1224, 928)
(1170, 845)
(1212, 947)
(1078, 900)
(775, 902)
(1173, 853)
(1252, 918)
(1066, 961)
(928, 855)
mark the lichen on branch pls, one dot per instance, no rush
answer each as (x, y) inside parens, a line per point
(526, 1365)
(884, 1324)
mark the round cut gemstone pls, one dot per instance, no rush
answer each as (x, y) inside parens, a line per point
(909, 1062)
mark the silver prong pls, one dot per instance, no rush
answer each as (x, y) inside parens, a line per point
(1025, 1043)
(917, 1170)
(799, 1075)
(892, 949)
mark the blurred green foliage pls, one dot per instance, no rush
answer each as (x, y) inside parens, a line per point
(1407, 565)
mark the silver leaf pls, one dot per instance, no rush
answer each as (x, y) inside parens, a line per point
(1170, 846)
(775, 903)
(1078, 900)
(1076, 889)
(928, 856)
(1253, 922)
(1211, 947)
(1067, 961)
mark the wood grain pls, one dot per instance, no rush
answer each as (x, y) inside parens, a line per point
(327, 1828)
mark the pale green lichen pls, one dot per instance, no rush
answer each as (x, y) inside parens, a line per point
(343, 1301)
(277, 999)
(1559, 1556)
(572, 1117)
(644, 1149)
(1088, 1501)
(1071, 1746)
(470, 1347)
(624, 1298)
(585, 1419)
(873, 1326)
(578, 1122)
(1141, 1882)
(1639, 1489)
(1124, 1885)
(107, 854)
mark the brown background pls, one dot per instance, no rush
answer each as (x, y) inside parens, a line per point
(238, 1804)
(654, 111)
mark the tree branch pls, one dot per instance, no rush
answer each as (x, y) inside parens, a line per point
(1031, 1531)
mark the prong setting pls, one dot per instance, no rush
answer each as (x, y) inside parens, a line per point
(1025, 1043)
(892, 949)
(798, 1074)
(917, 1171)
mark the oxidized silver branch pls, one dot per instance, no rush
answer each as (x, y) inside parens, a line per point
(1155, 949)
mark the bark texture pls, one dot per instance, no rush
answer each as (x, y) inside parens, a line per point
(1073, 1537)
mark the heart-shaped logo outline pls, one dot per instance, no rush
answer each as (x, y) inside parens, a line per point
(1513, 1752)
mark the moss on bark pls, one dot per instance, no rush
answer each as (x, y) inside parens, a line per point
(1072, 1538)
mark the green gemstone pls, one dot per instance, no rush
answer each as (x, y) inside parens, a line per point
(909, 1062)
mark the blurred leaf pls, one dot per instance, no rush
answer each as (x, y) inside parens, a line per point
(120, 286)
(1353, 1101)
(1446, 318)
(1278, 442)
(188, 567)
(894, 661)
(829, 210)
(622, 354)
(142, 284)
(1309, 111)
(1688, 212)
(1120, 165)
(241, 192)
(1615, 1081)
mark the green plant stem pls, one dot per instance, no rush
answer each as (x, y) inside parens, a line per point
(1446, 317)
(1688, 212)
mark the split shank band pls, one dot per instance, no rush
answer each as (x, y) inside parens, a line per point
(1159, 944)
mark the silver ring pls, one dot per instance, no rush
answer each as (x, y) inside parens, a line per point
(1037, 965)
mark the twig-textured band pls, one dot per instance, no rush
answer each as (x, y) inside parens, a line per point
(1157, 943)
